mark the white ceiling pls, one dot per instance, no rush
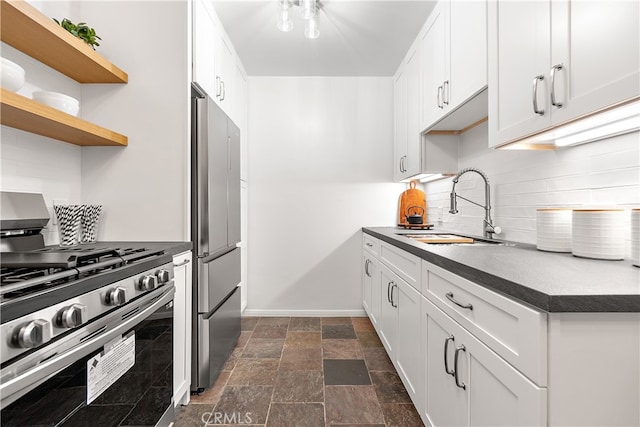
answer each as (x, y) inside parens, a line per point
(357, 37)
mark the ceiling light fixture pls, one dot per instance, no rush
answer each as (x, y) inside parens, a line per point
(308, 10)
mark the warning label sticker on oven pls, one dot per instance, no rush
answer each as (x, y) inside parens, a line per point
(106, 368)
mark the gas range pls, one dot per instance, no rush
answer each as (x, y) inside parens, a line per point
(59, 303)
(47, 292)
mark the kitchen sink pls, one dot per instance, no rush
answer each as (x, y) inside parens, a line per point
(453, 239)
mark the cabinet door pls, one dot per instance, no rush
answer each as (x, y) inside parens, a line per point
(519, 51)
(598, 45)
(204, 31)
(483, 389)
(444, 404)
(371, 288)
(412, 69)
(388, 313)
(225, 72)
(408, 359)
(468, 51)
(433, 52)
(399, 124)
(182, 329)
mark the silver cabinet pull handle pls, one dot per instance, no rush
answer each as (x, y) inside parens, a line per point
(439, 97)
(446, 346)
(392, 288)
(455, 366)
(389, 292)
(401, 162)
(555, 68)
(445, 92)
(404, 163)
(218, 87)
(224, 92)
(185, 262)
(369, 244)
(536, 79)
(450, 297)
(366, 267)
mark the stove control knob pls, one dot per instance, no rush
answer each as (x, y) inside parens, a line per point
(33, 334)
(163, 276)
(72, 316)
(147, 283)
(116, 296)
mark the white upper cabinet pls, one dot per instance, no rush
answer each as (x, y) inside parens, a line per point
(215, 60)
(597, 46)
(467, 51)
(225, 72)
(406, 92)
(556, 60)
(434, 64)
(204, 34)
(399, 124)
(454, 58)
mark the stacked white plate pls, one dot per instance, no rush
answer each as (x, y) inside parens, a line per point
(553, 227)
(635, 237)
(598, 233)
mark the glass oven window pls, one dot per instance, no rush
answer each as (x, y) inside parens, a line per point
(139, 398)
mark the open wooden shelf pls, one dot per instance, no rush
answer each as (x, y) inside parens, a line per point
(28, 30)
(19, 112)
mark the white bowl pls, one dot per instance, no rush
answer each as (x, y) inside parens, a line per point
(11, 76)
(58, 101)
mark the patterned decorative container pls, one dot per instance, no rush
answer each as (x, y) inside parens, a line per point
(635, 237)
(598, 233)
(69, 217)
(553, 227)
(90, 219)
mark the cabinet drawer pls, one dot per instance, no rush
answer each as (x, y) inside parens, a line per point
(513, 330)
(371, 244)
(402, 263)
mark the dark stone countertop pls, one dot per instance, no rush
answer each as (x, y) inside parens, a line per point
(552, 282)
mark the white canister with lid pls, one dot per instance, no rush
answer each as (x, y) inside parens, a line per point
(635, 237)
(553, 227)
(598, 233)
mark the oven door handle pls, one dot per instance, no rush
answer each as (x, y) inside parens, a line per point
(51, 366)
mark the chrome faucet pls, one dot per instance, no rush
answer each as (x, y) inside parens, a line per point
(488, 230)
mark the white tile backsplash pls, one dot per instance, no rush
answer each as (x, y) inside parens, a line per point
(604, 173)
(35, 164)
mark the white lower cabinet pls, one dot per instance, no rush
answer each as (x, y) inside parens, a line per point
(182, 329)
(468, 356)
(394, 309)
(407, 358)
(467, 384)
(371, 287)
(388, 324)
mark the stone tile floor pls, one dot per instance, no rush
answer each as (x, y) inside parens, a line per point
(304, 372)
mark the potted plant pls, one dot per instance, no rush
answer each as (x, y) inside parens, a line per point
(81, 30)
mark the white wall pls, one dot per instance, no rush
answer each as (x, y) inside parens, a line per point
(143, 186)
(603, 173)
(320, 169)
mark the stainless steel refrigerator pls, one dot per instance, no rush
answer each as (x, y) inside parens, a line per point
(215, 229)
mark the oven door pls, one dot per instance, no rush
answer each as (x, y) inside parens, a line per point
(116, 371)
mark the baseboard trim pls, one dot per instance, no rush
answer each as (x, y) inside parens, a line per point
(303, 313)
